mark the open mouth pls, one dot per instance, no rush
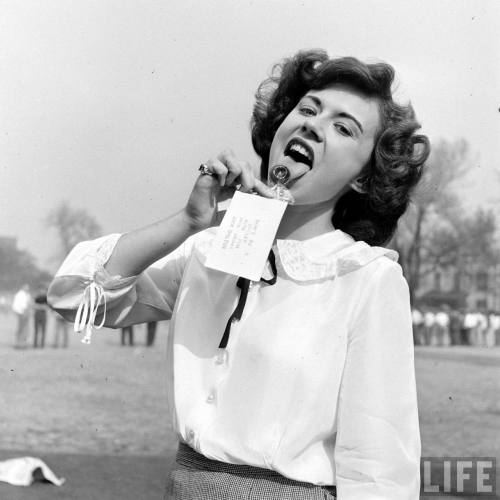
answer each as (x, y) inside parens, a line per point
(300, 151)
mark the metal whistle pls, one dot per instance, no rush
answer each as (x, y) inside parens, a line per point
(280, 175)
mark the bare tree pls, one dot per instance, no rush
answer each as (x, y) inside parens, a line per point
(72, 225)
(435, 204)
(471, 239)
(478, 238)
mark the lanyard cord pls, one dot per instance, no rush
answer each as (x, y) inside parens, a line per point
(272, 262)
(244, 285)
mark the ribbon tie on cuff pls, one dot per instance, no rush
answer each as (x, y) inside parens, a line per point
(92, 297)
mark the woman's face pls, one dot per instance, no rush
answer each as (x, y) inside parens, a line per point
(325, 141)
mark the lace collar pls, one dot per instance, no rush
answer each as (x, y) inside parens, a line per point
(326, 256)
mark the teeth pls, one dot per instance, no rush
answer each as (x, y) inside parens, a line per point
(300, 149)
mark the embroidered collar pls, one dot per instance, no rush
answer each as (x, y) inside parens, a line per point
(326, 256)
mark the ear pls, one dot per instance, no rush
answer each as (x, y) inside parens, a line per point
(358, 185)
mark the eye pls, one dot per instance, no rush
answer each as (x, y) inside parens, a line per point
(343, 129)
(307, 110)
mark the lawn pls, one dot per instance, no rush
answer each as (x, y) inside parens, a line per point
(101, 398)
(107, 401)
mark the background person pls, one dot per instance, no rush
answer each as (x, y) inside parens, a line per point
(418, 326)
(442, 327)
(151, 333)
(21, 305)
(470, 326)
(312, 391)
(127, 335)
(482, 328)
(429, 326)
(464, 329)
(490, 332)
(40, 318)
(456, 321)
(495, 321)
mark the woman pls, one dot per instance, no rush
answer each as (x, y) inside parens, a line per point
(300, 385)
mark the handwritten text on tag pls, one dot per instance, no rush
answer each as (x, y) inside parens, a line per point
(246, 235)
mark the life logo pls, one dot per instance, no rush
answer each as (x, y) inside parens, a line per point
(460, 476)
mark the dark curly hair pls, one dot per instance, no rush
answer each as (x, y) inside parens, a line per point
(397, 160)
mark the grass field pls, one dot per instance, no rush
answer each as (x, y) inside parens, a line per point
(98, 398)
(109, 400)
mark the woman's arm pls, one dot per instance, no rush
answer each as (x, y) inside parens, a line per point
(136, 276)
(137, 250)
(377, 454)
(117, 301)
(106, 281)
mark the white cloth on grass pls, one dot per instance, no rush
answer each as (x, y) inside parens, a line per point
(20, 471)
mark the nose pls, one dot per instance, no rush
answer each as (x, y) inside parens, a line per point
(312, 129)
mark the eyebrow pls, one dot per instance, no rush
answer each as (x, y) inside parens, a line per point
(342, 114)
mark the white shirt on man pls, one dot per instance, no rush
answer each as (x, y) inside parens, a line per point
(21, 302)
(416, 317)
(470, 320)
(442, 319)
(429, 319)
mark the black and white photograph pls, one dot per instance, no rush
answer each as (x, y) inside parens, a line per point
(249, 250)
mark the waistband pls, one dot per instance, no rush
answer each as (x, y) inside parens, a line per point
(188, 457)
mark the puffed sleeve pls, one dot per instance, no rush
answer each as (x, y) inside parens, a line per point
(82, 286)
(377, 451)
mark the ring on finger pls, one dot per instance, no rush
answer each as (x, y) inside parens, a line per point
(203, 168)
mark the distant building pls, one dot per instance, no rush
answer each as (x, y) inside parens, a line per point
(475, 286)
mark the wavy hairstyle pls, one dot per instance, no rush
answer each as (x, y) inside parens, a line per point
(397, 159)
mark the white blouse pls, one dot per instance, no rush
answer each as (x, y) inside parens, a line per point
(317, 381)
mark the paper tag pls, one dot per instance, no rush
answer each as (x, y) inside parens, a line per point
(246, 235)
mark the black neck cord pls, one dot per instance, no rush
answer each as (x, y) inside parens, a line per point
(244, 285)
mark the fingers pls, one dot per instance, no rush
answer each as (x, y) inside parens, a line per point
(247, 180)
(232, 172)
(263, 189)
(218, 168)
(237, 171)
(237, 174)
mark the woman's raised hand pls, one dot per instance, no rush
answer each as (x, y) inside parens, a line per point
(229, 174)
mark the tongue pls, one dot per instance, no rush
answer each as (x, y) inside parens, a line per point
(297, 169)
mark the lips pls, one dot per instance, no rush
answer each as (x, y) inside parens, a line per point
(300, 151)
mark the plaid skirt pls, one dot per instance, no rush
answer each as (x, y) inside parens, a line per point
(195, 477)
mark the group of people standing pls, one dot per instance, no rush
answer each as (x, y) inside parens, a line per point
(445, 326)
(27, 307)
(33, 313)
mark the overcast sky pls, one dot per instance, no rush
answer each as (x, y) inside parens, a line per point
(112, 105)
